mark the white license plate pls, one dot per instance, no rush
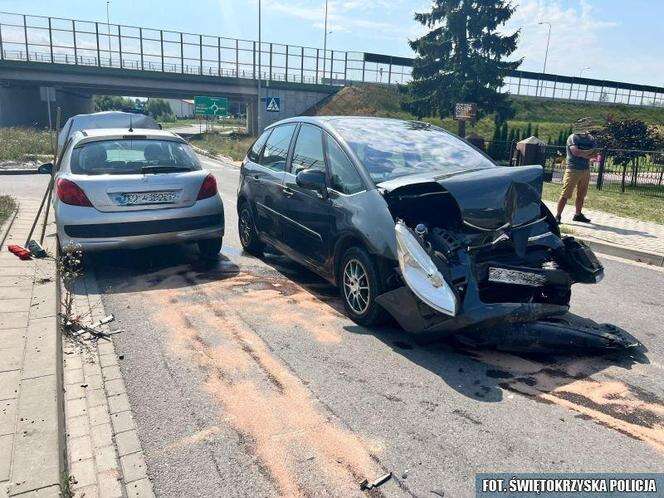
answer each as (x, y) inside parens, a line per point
(138, 198)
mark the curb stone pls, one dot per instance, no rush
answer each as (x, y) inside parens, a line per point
(7, 226)
(19, 171)
(622, 251)
(105, 457)
(215, 156)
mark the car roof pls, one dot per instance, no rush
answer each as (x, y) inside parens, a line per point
(97, 134)
(327, 122)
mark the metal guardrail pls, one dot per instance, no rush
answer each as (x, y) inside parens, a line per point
(88, 43)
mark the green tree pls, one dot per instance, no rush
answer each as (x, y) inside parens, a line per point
(158, 109)
(112, 103)
(462, 58)
(536, 132)
(529, 130)
(632, 137)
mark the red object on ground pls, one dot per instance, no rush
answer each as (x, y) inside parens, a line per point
(21, 252)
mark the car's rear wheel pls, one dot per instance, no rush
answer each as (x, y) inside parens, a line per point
(359, 284)
(210, 248)
(247, 230)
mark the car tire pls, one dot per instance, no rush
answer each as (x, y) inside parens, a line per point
(209, 248)
(359, 284)
(247, 231)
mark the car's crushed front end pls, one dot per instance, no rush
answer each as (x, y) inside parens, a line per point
(480, 254)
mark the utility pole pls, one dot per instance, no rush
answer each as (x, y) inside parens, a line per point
(548, 39)
(258, 105)
(325, 42)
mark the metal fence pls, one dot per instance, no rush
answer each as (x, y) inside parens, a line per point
(88, 43)
(624, 170)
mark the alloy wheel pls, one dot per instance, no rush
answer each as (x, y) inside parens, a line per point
(356, 286)
(245, 227)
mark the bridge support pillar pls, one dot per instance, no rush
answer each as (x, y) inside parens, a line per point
(252, 117)
(22, 106)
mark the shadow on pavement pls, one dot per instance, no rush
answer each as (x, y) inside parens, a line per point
(484, 374)
(162, 267)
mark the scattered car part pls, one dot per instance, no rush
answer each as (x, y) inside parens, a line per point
(36, 250)
(21, 252)
(366, 485)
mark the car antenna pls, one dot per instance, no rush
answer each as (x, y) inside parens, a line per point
(131, 128)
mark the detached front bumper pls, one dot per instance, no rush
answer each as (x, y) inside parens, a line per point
(416, 317)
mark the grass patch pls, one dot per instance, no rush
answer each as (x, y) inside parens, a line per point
(7, 206)
(235, 147)
(175, 124)
(222, 123)
(550, 116)
(642, 206)
(15, 143)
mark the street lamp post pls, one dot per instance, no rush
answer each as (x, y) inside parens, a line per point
(258, 104)
(580, 74)
(583, 69)
(108, 32)
(548, 39)
(325, 42)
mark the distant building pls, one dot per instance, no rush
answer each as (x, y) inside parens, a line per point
(181, 108)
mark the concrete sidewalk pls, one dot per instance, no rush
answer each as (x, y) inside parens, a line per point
(31, 421)
(617, 236)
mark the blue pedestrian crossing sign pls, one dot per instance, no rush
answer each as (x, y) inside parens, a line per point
(272, 104)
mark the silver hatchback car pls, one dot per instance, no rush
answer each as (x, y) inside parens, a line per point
(134, 188)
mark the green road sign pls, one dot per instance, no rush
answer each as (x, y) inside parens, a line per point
(210, 106)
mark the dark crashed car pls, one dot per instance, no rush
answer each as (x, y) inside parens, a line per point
(408, 219)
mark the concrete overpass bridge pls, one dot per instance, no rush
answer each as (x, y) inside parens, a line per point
(81, 58)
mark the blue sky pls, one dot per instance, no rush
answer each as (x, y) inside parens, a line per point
(617, 39)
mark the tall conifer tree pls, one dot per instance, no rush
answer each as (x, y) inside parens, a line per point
(462, 58)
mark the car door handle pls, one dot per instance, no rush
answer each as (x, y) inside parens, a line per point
(288, 192)
(256, 177)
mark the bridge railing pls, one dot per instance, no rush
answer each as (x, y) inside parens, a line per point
(88, 43)
(76, 42)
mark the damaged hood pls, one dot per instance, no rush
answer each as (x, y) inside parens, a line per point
(489, 198)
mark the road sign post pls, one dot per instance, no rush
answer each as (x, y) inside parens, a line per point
(272, 104)
(464, 112)
(210, 106)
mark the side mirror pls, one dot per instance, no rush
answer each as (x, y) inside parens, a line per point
(45, 169)
(312, 179)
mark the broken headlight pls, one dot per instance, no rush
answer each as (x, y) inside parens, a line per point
(421, 274)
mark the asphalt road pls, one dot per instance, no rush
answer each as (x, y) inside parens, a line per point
(247, 380)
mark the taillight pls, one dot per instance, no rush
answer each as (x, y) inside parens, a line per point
(70, 193)
(208, 189)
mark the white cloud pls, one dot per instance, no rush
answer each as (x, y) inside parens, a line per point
(576, 36)
(343, 16)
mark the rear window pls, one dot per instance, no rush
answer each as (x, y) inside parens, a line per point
(133, 156)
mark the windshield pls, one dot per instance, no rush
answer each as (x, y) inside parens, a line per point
(133, 156)
(390, 148)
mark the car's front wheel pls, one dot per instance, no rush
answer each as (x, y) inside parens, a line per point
(359, 284)
(247, 230)
(210, 248)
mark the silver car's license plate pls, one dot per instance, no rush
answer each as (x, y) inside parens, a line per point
(138, 198)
